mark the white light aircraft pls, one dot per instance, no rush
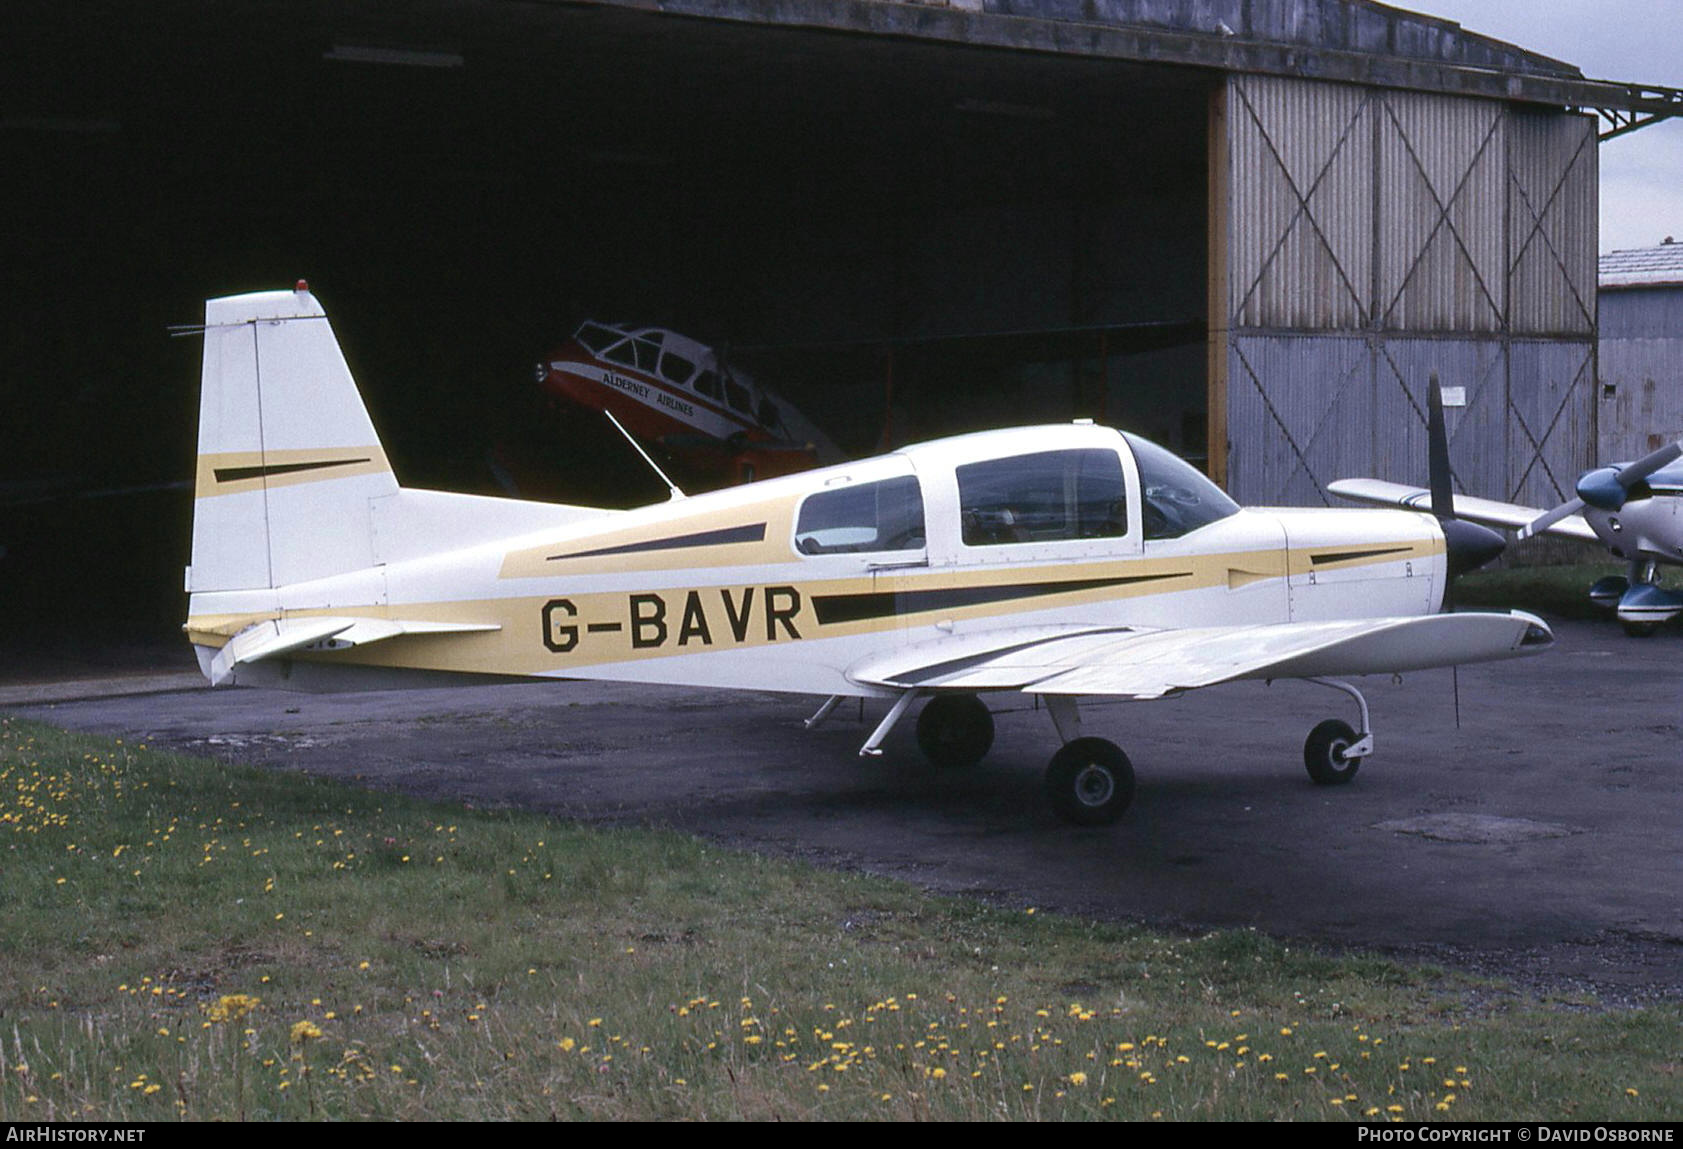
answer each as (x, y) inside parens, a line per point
(1635, 510)
(1064, 562)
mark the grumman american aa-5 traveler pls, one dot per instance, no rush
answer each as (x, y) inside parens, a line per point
(1065, 562)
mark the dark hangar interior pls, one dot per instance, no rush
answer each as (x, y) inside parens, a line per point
(904, 239)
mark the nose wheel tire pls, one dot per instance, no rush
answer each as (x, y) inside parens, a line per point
(1324, 753)
(955, 731)
(1090, 782)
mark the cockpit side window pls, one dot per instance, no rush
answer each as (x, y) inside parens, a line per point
(1178, 498)
(1045, 497)
(596, 338)
(737, 395)
(676, 368)
(881, 516)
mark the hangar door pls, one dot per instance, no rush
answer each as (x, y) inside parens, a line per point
(1364, 239)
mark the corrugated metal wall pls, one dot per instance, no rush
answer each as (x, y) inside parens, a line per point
(1641, 371)
(1373, 237)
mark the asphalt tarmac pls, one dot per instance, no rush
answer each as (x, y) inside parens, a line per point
(1538, 841)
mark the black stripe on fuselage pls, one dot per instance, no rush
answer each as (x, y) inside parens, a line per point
(839, 608)
(269, 470)
(753, 533)
(1352, 556)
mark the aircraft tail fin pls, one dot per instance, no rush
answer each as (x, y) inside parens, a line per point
(288, 460)
(292, 483)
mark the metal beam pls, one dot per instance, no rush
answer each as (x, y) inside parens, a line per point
(1645, 105)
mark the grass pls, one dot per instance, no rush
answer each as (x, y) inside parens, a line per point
(1561, 591)
(187, 940)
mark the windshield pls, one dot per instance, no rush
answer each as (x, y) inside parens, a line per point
(1178, 498)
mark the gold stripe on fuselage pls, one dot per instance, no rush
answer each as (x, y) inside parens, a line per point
(561, 630)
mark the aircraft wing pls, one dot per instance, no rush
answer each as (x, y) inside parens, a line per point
(1510, 515)
(1145, 663)
(273, 638)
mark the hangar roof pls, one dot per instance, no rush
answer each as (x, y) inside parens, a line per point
(1644, 267)
(1352, 41)
(1355, 41)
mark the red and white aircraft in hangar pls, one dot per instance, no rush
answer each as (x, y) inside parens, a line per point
(666, 388)
(1064, 562)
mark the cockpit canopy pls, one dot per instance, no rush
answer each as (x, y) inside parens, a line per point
(1011, 488)
(671, 357)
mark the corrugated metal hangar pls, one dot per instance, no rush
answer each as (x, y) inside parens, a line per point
(1249, 229)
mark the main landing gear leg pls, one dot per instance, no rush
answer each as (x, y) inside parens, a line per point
(1334, 752)
(873, 744)
(823, 711)
(1089, 781)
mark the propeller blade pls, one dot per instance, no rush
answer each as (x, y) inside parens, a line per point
(1437, 457)
(1467, 546)
(1633, 474)
(1549, 518)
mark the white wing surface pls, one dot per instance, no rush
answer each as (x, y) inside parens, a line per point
(1513, 516)
(1142, 663)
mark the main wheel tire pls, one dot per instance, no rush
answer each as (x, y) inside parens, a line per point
(1639, 629)
(1324, 753)
(955, 731)
(1090, 782)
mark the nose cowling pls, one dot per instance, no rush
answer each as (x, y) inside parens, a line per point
(1601, 489)
(1469, 545)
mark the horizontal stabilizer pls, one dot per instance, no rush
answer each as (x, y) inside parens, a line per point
(273, 638)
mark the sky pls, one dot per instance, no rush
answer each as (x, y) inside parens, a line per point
(1632, 41)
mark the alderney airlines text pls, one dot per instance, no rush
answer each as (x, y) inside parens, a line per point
(71, 1133)
(1541, 1133)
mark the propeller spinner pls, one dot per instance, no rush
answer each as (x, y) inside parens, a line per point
(1605, 488)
